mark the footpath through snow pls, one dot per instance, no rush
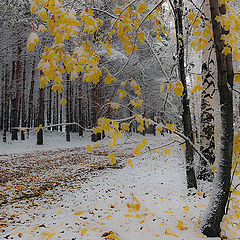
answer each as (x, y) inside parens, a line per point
(146, 202)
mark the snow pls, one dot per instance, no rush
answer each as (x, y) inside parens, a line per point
(100, 202)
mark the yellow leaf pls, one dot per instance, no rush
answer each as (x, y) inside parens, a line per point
(227, 50)
(125, 127)
(158, 151)
(141, 36)
(78, 213)
(142, 7)
(42, 28)
(170, 87)
(184, 147)
(237, 77)
(84, 231)
(39, 127)
(109, 49)
(178, 89)
(48, 234)
(180, 226)
(42, 14)
(197, 88)
(191, 16)
(186, 208)
(171, 127)
(89, 148)
(63, 101)
(168, 231)
(112, 158)
(114, 105)
(121, 93)
(167, 151)
(130, 163)
(162, 87)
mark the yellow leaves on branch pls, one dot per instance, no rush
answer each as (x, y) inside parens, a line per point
(32, 41)
(109, 78)
(112, 158)
(171, 127)
(178, 89)
(142, 7)
(125, 127)
(138, 150)
(63, 101)
(122, 94)
(89, 148)
(191, 15)
(114, 105)
(39, 127)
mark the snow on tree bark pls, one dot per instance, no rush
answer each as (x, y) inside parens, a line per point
(207, 141)
(210, 224)
(186, 115)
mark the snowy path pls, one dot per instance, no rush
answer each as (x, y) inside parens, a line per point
(147, 202)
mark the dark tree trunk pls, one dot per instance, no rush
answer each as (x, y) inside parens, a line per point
(5, 120)
(68, 110)
(71, 127)
(23, 101)
(186, 115)
(30, 100)
(49, 112)
(40, 116)
(95, 101)
(80, 118)
(18, 80)
(210, 224)
(2, 103)
(14, 120)
(61, 115)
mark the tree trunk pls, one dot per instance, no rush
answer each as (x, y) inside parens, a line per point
(5, 120)
(18, 80)
(212, 218)
(49, 112)
(186, 115)
(80, 118)
(68, 109)
(14, 120)
(207, 142)
(61, 115)
(30, 100)
(40, 116)
(23, 101)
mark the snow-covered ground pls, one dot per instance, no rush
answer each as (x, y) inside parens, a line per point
(149, 201)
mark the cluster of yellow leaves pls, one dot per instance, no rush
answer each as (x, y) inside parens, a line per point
(125, 127)
(198, 87)
(114, 105)
(231, 23)
(137, 102)
(138, 150)
(202, 31)
(112, 158)
(136, 86)
(111, 129)
(32, 41)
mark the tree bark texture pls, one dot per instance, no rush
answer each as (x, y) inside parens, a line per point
(210, 224)
(186, 115)
(40, 116)
(68, 109)
(207, 141)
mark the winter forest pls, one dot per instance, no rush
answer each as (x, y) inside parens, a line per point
(119, 119)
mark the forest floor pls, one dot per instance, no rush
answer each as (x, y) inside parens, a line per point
(59, 191)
